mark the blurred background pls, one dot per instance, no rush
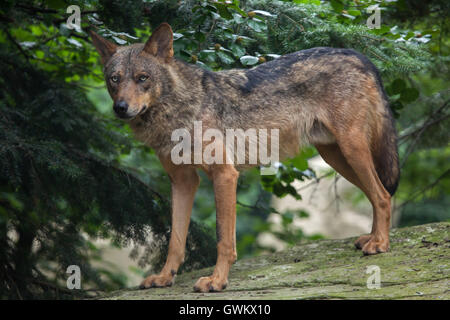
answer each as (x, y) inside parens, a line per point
(77, 189)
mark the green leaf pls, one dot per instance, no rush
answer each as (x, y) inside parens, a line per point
(303, 214)
(264, 13)
(56, 4)
(279, 190)
(398, 85)
(395, 107)
(200, 36)
(207, 55)
(382, 30)
(409, 95)
(74, 42)
(337, 6)
(257, 25)
(223, 11)
(177, 36)
(249, 60)
(119, 41)
(409, 35)
(315, 2)
(287, 218)
(291, 190)
(354, 12)
(237, 50)
(300, 162)
(348, 16)
(36, 30)
(203, 65)
(225, 58)
(394, 97)
(273, 56)
(238, 18)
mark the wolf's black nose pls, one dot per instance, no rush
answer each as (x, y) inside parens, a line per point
(121, 107)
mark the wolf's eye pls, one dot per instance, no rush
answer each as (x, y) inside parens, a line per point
(143, 78)
(115, 79)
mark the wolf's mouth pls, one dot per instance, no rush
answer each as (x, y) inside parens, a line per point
(130, 117)
(145, 108)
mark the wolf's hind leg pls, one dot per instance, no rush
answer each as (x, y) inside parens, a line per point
(185, 182)
(356, 151)
(332, 155)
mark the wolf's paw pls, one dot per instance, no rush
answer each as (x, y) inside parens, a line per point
(210, 284)
(374, 246)
(157, 281)
(362, 240)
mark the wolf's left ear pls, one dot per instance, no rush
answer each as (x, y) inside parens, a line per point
(105, 48)
(160, 43)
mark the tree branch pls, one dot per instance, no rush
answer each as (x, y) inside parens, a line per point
(421, 191)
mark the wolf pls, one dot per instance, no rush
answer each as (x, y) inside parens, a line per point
(330, 98)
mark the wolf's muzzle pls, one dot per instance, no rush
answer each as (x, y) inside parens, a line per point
(121, 108)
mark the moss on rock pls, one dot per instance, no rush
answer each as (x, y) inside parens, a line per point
(417, 267)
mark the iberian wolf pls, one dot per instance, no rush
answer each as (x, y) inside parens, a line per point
(330, 98)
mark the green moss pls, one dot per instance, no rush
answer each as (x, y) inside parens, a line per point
(417, 267)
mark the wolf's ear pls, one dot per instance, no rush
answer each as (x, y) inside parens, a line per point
(105, 48)
(160, 43)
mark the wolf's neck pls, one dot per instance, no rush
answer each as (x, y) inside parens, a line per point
(205, 85)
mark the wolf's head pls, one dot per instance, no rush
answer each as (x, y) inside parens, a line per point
(136, 75)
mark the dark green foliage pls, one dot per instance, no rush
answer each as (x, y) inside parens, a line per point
(425, 211)
(122, 15)
(59, 178)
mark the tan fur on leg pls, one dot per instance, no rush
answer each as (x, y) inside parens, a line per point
(225, 182)
(185, 182)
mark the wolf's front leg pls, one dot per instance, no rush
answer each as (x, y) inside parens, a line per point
(185, 182)
(225, 182)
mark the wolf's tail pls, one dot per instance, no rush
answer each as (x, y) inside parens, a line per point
(385, 154)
